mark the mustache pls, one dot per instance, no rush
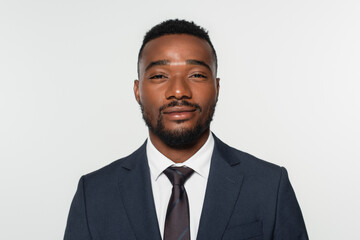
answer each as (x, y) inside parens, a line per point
(180, 103)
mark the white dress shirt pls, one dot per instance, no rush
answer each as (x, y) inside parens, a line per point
(195, 186)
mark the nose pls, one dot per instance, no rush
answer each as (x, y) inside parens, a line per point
(178, 88)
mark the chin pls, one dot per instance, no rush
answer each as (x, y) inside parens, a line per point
(181, 137)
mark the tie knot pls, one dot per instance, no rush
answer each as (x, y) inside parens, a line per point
(178, 175)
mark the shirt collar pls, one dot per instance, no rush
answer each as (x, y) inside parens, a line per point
(199, 162)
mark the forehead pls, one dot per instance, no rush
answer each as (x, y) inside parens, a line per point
(177, 48)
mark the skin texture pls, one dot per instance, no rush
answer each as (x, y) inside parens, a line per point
(177, 68)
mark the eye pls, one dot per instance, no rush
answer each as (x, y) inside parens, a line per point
(157, 76)
(197, 75)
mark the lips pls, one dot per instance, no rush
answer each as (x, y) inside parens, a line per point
(179, 113)
(178, 109)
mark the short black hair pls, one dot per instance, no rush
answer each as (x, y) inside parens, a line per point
(176, 26)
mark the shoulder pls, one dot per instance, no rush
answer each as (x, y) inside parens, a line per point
(261, 178)
(246, 163)
(106, 174)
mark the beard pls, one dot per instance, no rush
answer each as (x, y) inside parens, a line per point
(182, 137)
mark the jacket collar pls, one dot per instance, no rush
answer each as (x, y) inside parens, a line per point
(224, 184)
(136, 193)
(222, 192)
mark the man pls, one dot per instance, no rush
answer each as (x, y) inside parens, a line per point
(183, 183)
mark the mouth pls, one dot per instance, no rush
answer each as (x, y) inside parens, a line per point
(179, 113)
(179, 109)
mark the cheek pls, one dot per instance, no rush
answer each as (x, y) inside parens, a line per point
(150, 94)
(208, 98)
(150, 105)
(149, 109)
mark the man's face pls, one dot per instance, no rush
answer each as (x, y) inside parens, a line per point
(177, 88)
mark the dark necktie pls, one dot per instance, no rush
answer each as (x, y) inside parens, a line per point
(177, 223)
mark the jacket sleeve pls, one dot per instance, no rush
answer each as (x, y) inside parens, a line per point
(289, 220)
(77, 227)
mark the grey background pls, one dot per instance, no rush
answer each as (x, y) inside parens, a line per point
(289, 94)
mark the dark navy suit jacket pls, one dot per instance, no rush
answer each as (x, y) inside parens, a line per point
(246, 198)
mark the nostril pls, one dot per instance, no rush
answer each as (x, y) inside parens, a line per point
(178, 89)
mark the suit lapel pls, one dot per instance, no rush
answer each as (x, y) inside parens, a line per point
(137, 197)
(222, 192)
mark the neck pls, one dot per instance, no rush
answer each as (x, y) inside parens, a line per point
(179, 155)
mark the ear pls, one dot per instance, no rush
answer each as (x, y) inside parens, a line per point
(136, 90)
(217, 87)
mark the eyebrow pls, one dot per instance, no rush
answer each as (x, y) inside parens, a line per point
(157, 63)
(197, 62)
(167, 62)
